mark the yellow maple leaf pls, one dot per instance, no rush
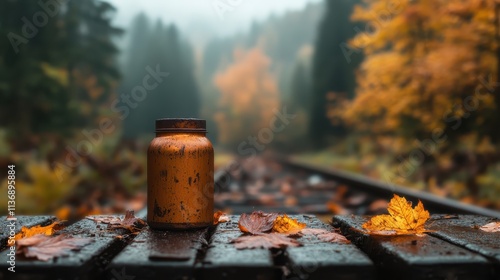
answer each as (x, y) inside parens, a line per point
(402, 219)
(285, 224)
(45, 230)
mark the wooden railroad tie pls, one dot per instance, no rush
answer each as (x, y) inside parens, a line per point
(454, 249)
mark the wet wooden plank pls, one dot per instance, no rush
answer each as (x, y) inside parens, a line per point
(414, 257)
(27, 221)
(320, 260)
(88, 263)
(223, 261)
(159, 255)
(463, 230)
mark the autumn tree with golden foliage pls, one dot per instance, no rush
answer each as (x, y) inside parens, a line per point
(428, 67)
(248, 96)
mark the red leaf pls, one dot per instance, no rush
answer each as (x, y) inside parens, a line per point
(257, 222)
(266, 241)
(45, 247)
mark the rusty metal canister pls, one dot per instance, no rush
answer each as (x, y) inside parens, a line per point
(180, 173)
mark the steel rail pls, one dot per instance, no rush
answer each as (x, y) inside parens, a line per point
(385, 190)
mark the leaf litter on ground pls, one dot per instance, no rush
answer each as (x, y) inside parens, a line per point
(324, 235)
(266, 241)
(44, 248)
(272, 230)
(130, 222)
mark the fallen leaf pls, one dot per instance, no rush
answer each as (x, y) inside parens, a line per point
(112, 220)
(285, 224)
(257, 222)
(491, 227)
(378, 205)
(220, 217)
(454, 216)
(333, 237)
(438, 217)
(356, 200)
(402, 219)
(266, 241)
(45, 247)
(45, 230)
(336, 208)
(130, 222)
(324, 235)
(313, 231)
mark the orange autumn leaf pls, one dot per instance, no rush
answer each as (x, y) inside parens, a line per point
(402, 219)
(220, 217)
(285, 224)
(45, 230)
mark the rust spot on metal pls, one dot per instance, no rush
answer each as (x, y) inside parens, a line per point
(160, 212)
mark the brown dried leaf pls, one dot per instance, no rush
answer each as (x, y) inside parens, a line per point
(333, 237)
(491, 227)
(257, 222)
(111, 220)
(324, 235)
(313, 231)
(336, 208)
(44, 247)
(45, 230)
(378, 205)
(220, 217)
(402, 219)
(266, 241)
(285, 224)
(130, 222)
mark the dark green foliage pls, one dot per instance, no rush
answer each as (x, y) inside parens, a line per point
(159, 47)
(300, 88)
(332, 70)
(46, 53)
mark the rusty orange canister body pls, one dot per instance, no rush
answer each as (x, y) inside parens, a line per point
(180, 173)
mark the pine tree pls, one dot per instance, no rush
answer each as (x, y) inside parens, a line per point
(53, 66)
(177, 95)
(333, 71)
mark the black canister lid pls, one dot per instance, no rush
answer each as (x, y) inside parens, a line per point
(181, 125)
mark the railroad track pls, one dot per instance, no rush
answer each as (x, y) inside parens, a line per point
(453, 248)
(282, 185)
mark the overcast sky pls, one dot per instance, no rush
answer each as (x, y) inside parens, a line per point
(208, 17)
